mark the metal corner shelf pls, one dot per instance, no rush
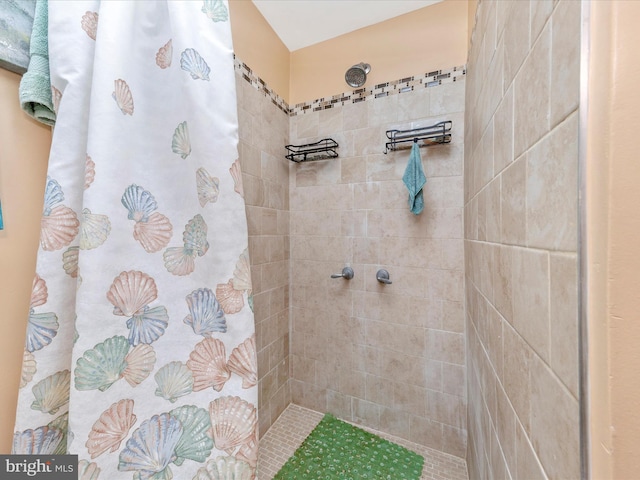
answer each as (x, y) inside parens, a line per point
(320, 150)
(425, 136)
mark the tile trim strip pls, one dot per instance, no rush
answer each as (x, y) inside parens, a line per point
(395, 87)
(256, 82)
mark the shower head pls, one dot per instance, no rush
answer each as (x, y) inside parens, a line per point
(357, 75)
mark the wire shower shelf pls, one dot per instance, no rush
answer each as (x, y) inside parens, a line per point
(320, 150)
(423, 136)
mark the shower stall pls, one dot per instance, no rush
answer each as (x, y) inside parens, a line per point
(472, 349)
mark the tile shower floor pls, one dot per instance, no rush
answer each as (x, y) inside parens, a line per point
(295, 423)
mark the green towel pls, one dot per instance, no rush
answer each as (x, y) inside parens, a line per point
(414, 180)
(35, 86)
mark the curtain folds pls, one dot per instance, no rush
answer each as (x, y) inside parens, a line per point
(140, 352)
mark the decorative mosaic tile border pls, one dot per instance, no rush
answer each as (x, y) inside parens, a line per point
(259, 84)
(409, 84)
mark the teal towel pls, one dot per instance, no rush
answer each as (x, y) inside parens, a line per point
(35, 87)
(414, 179)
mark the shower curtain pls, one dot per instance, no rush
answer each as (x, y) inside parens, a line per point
(140, 351)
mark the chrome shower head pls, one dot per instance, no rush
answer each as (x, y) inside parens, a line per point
(357, 75)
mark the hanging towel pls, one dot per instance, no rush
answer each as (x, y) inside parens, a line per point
(414, 179)
(35, 86)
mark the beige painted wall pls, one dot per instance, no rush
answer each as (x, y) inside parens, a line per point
(613, 228)
(24, 149)
(428, 39)
(424, 40)
(257, 45)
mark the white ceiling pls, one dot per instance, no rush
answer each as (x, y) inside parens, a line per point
(300, 23)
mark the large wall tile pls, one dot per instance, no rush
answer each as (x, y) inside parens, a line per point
(554, 416)
(266, 186)
(531, 94)
(564, 319)
(552, 172)
(503, 133)
(448, 98)
(565, 60)
(396, 363)
(513, 221)
(520, 213)
(530, 270)
(527, 463)
(516, 37)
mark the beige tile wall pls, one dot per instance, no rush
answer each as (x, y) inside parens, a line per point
(391, 357)
(263, 131)
(521, 161)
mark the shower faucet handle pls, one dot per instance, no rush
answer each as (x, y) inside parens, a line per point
(347, 274)
(383, 277)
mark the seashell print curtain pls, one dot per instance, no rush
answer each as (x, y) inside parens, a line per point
(140, 352)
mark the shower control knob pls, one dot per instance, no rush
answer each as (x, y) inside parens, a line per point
(347, 274)
(383, 277)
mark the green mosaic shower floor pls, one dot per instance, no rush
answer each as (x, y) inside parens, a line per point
(336, 449)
